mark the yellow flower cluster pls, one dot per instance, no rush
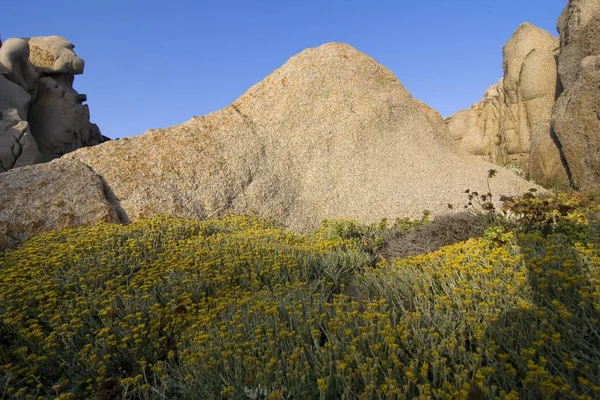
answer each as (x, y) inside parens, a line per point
(237, 308)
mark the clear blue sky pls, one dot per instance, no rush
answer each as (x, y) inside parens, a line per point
(153, 64)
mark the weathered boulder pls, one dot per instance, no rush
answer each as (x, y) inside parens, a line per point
(51, 55)
(59, 194)
(576, 113)
(43, 117)
(512, 124)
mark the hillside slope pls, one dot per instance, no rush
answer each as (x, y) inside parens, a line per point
(332, 133)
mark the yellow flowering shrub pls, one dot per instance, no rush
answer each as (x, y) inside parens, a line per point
(236, 308)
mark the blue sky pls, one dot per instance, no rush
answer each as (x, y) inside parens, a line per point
(153, 64)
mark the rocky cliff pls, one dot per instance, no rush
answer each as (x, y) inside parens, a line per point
(41, 116)
(543, 115)
(576, 113)
(332, 133)
(511, 124)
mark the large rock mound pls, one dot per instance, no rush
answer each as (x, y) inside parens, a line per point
(576, 113)
(42, 116)
(332, 133)
(512, 124)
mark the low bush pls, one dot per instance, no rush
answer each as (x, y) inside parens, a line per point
(237, 308)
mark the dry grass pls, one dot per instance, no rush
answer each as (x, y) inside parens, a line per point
(442, 231)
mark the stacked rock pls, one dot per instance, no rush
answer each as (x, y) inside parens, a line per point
(41, 116)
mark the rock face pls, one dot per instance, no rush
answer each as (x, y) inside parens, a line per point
(43, 117)
(512, 124)
(332, 133)
(59, 194)
(576, 113)
(53, 55)
(19, 146)
(578, 30)
(59, 119)
(435, 118)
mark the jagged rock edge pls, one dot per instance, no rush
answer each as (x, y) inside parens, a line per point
(110, 197)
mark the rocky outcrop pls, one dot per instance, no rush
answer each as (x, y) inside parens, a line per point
(332, 133)
(470, 128)
(42, 116)
(512, 124)
(59, 194)
(576, 113)
(54, 55)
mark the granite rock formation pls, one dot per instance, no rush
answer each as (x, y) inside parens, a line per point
(58, 194)
(42, 116)
(576, 113)
(512, 124)
(332, 133)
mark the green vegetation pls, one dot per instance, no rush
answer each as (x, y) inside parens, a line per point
(237, 308)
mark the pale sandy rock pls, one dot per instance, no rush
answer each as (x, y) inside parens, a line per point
(332, 133)
(435, 118)
(59, 194)
(515, 128)
(52, 55)
(526, 38)
(511, 124)
(537, 88)
(59, 120)
(476, 129)
(575, 15)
